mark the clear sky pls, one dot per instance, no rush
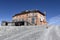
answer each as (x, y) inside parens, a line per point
(8, 8)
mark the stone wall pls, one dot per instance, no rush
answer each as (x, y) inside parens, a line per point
(28, 17)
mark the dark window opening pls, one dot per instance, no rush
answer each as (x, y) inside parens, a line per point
(33, 20)
(19, 23)
(6, 23)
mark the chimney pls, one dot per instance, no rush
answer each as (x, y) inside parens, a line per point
(45, 12)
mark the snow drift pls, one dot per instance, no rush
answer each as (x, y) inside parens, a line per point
(30, 32)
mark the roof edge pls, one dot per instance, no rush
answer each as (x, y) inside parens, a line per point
(28, 11)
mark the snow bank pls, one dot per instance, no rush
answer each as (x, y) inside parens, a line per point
(30, 32)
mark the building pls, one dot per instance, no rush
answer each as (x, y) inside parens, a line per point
(32, 17)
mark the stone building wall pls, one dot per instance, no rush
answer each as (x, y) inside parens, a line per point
(28, 17)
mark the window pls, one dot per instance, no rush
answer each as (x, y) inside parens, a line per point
(35, 14)
(6, 23)
(28, 19)
(30, 14)
(21, 19)
(33, 20)
(41, 18)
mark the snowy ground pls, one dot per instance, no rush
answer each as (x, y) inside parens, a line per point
(30, 32)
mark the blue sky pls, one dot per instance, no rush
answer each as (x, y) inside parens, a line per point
(8, 8)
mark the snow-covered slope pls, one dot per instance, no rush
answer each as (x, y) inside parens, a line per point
(29, 33)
